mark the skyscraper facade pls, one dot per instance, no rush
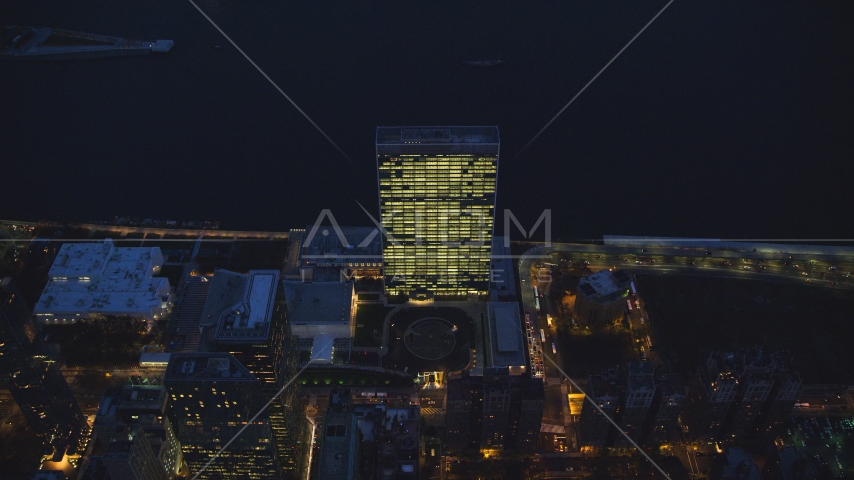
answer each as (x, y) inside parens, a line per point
(493, 412)
(254, 333)
(712, 394)
(640, 392)
(35, 381)
(607, 390)
(671, 400)
(437, 206)
(464, 412)
(213, 397)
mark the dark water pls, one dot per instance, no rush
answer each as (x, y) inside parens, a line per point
(725, 118)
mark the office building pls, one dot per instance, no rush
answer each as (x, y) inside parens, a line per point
(131, 458)
(335, 254)
(495, 412)
(640, 392)
(601, 298)
(325, 308)
(212, 397)
(244, 316)
(744, 394)
(390, 440)
(530, 418)
(95, 469)
(505, 349)
(755, 387)
(783, 396)
(463, 412)
(321, 320)
(437, 206)
(34, 379)
(503, 277)
(184, 332)
(125, 418)
(339, 447)
(670, 400)
(99, 279)
(497, 399)
(711, 396)
(607, 391)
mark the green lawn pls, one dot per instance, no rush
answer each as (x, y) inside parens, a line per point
(112, 341)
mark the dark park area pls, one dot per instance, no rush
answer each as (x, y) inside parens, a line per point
(592, 354)
(692, 316)
(115, 341)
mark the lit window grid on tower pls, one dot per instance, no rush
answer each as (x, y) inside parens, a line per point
(438, 212)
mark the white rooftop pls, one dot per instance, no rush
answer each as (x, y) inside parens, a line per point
(82, 259)
(99, 278)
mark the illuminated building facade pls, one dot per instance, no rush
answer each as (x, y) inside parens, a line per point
(437, 205)
(212, 397)
(749, 393)
(34, 380)
(244, 316)
(711, 396)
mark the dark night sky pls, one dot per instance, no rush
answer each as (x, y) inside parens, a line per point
(724, 119)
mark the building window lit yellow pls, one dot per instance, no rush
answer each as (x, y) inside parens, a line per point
(437, 204)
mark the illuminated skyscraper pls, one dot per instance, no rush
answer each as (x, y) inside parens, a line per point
(213, 398)
(437, 205)
(244, 316)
